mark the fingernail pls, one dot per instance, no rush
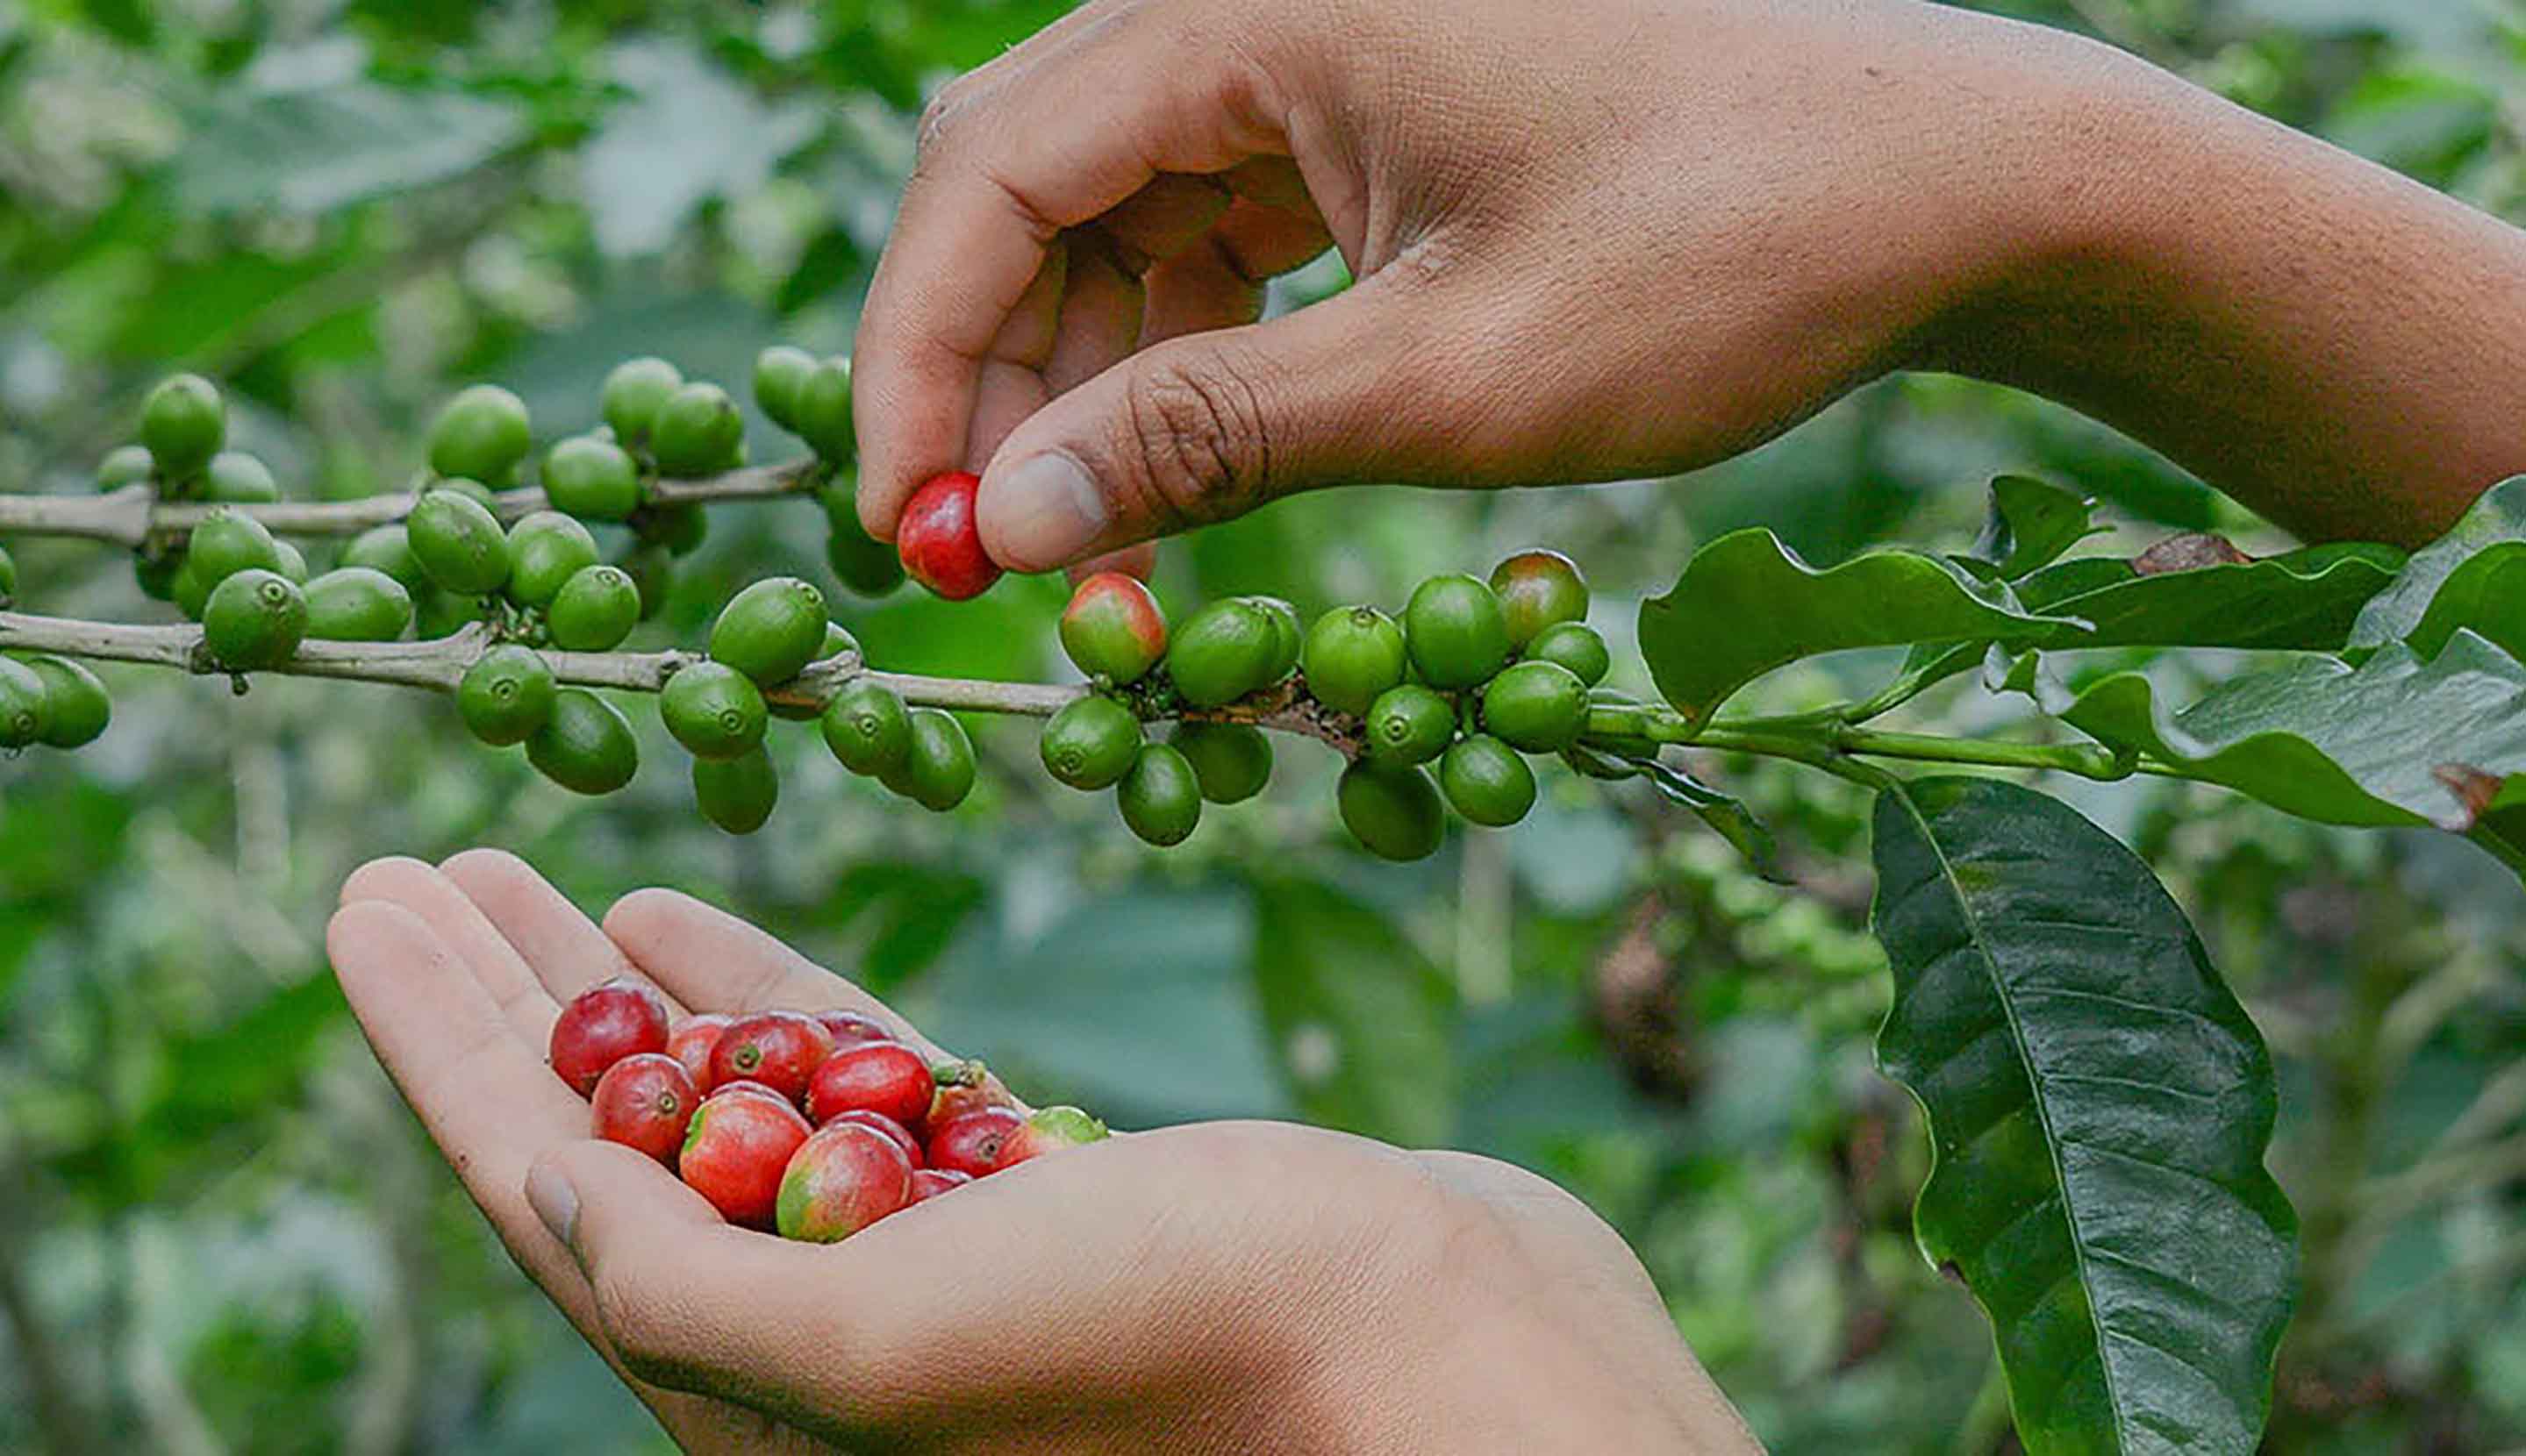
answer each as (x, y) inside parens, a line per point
(1049, 511)
(555, 1202)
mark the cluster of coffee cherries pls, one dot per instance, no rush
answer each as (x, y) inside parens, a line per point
(1475, 676)
(814, 1125)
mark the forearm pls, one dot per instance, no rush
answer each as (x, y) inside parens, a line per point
(2337, 346)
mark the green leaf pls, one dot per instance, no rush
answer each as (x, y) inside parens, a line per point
(313, 151)
(1746, 604)
(2397, 741)
(2031, 523)
(2496, 518)
(1361, 1018)
(2098, 1108)
(2486, 593)
(1725, 813)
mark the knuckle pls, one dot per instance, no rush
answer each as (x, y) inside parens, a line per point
(1198, 432)
(938, 119)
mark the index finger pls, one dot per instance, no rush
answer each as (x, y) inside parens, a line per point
(1047, 138)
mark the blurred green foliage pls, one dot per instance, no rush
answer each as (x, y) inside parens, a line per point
(219, 1229)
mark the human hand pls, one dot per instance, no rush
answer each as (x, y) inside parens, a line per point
(1219, 1288)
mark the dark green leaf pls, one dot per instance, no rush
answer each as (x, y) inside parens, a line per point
(2486, 595)
(1361, 1017)
(2496, 518)
(2098, 1109)
(2031, 523)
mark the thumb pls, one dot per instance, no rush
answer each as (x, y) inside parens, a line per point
(1201, 429)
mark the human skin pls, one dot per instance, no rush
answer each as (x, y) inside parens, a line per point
(1221, 1287)
(1622, 237)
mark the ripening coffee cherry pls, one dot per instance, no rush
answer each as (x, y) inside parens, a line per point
(824, 409)
(779, 375)
(895, 1133)
(634, 391)
(292, 565)
(357, 604)
(1051, 1130)
(929, 1183)
(239, 479)
(781, 1049)
(691, 1043)
(228, 542)
(182, 424)
(546, 549)
(937, 769)
(1160, 797)
(255, 618)
(388, 549)
(124, 465)
(26, 708)
(712, 709)
(940, 540)
(591, 478)
(1393, 812)
(594, 610)
(1351, 655)
(770, 629)
(1409, 724)
(972, 1144)
(1231, 759)
(737, 793)
(861, 562)
(842, 1178)
(1538, 706)
(1538, 589)
(601, 1025)
(587, 745)
(880, 1077)
(1487, 781)
(1576, 646)
(507, 695)
(962, 1087)
(1090, 744)
(76, 705)
(867, 729)
(645, 1102)
(1113, 628)
(458, 542)
(1222, 652)
(736, 1150)
(1288, 637)
(1456, 633)
(850, 1028)
(480, 434)
(696, 432)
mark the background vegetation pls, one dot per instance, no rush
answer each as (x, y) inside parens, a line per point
(220, 1231)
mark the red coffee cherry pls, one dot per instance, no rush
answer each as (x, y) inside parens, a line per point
(736, 1151)
(781, 1049)
(964, 1087)
(601, 1025)
(973, 1144)
(841, 1181)
(880, 1122)
(1113, 626)
(848, 1027)
(645, 1102)
(691, 1042)
(929, 1183)
(884, 1077)
(942, 542)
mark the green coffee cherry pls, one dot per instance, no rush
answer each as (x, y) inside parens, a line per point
(696, 431)
(292, 565)
(473, 490)
(458, 542)
(1222, 653)
(587, 745)
(1113, 627)
(634, 391)
(1161, 797)
(867, 729)
(255, 618)
(937, 769)
(124, 465)
(770, 629)
(1288, 637)
(545, 550)
(238, 477)
(357, 604)
(780, 373)
(1394, 813)
(737, 793)
(182, 424)
(1350, 656)
(1409, 724)
(8, 577)
(837, 640)
(1231, 759)
(1576, 646)
(1456, 633)
(1537, 590)
(480, 434)
(388, 549)
(594, 610)
(824, 409)
(439, 613)
(861, 562)
(1538, 706)
(228, 542)
(1090, 744)
(652, 570)
(1487, 781)
(76, 705)
(507, 696)
(713, 710)
(154, 571)
(591, 478)
(187, 590)
(680, 528)
(26, 708)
